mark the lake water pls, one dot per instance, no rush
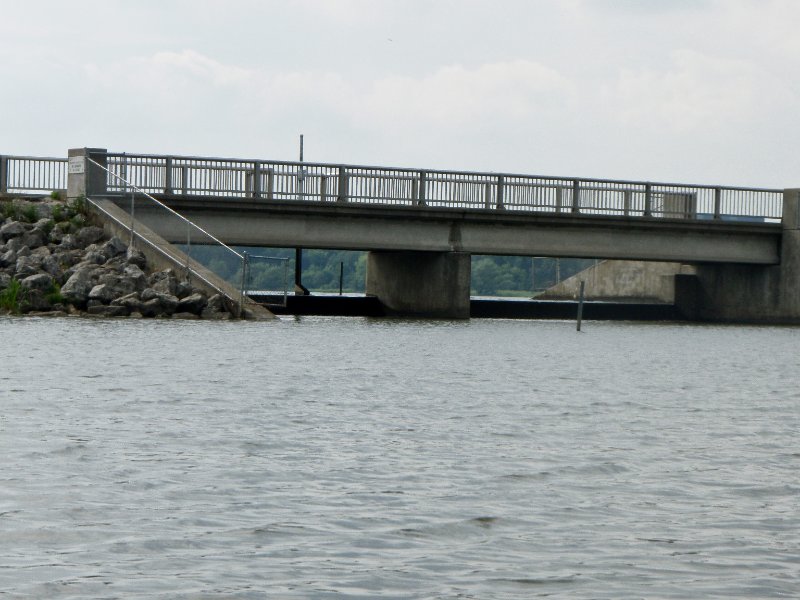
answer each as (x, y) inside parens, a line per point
(356, 458)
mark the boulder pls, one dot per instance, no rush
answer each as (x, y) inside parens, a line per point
(80, 283)
(8, 258)
(28, 265)
(34, 300)
(69, 242)
(41, 281)
(136, 275)
(102, 292)
(132, 302)
(192, 304)
(215, 308)
(34, 238)
(164, 282)
(89, 235)
(114, 247)
(135, 257)
(52, 265)
(5, 279)
(12, 229)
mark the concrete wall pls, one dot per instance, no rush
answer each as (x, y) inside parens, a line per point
(424, 284)
(621, 280)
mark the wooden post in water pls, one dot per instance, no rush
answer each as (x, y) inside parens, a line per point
(580, 305)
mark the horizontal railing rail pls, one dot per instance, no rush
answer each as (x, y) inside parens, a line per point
(32, 174)
(324, 182)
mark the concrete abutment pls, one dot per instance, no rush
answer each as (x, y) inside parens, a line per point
(423, 284)
(749, 293)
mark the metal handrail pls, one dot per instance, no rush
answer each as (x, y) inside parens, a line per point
(242, 257)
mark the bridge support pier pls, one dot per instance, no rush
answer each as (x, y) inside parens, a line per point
(749, 293)
(424, 284)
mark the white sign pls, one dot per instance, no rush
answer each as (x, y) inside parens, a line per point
(77, 164)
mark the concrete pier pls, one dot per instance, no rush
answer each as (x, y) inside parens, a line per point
(424, 284)
(749, 293)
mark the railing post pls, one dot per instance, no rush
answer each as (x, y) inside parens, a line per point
(3, 174)
(487, 195)
(717, 203)
(243, 284)
(168, 176)
(270, 184)
(576, 195)
(414, 191)
(185, 179)
(84, 178)
(626, 202)
(323, 188)
(257, 180)
(344, 185)
(648, 200)
(559, 198)
(500, 192)
(423, 189)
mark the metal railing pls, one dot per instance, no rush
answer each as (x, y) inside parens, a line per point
(201, 236)
(30, 174)
(267, 278)
(291, 181)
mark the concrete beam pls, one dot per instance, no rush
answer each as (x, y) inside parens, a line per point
(350, 227)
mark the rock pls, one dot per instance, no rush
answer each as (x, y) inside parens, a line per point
(28, 265)
(164, 282)
(34, 238)
(34, 300)
(12, 229)
(52, 265)
(7, 259)
(118, 286)
(148, 294)
(114, 247)
(135, 257)
(132, 302)
(169, 303)
(42, 251)
(183, 289)
(136, 275)
(5, 279)
(92, 256)
(41, 282)
(193, 304)
(151, 308)
(69, 242)
(186, 316)
(77, 287)
(89, 235)
(56, 235)
(21, 250)
(107, 311)
(215, 308)
(102, 292)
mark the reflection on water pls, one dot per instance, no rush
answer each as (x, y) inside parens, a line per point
(325, 457)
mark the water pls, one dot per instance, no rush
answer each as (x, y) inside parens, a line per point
(352, 458)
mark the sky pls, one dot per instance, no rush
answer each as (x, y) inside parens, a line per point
(692, 91)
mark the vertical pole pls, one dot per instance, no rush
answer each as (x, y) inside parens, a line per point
(256, 180)
(270, 184)
(414, 191)
(3, 174)
(341, 276)
(343, 185)
(423, 185)
(298, 270)
(243, 285)
(487, 195)
(301, 176)
(626, 202)
(576, 196)
(185, 179)
(500, 191)
(717, 203)
(323, 188)
(168, 176)
(559, 198)
(580, 305)
(188, 249)
(648, 200)
(558, 271)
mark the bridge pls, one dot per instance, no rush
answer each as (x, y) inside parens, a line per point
(421, 226)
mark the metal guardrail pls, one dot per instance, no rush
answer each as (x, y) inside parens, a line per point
(29, 174)
(287, 181)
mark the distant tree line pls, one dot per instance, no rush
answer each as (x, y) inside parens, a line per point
(491, 275)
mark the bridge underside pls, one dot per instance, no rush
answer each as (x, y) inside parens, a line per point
(419, 261)
(351, 227)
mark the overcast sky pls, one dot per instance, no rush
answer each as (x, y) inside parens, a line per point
(703, 91)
